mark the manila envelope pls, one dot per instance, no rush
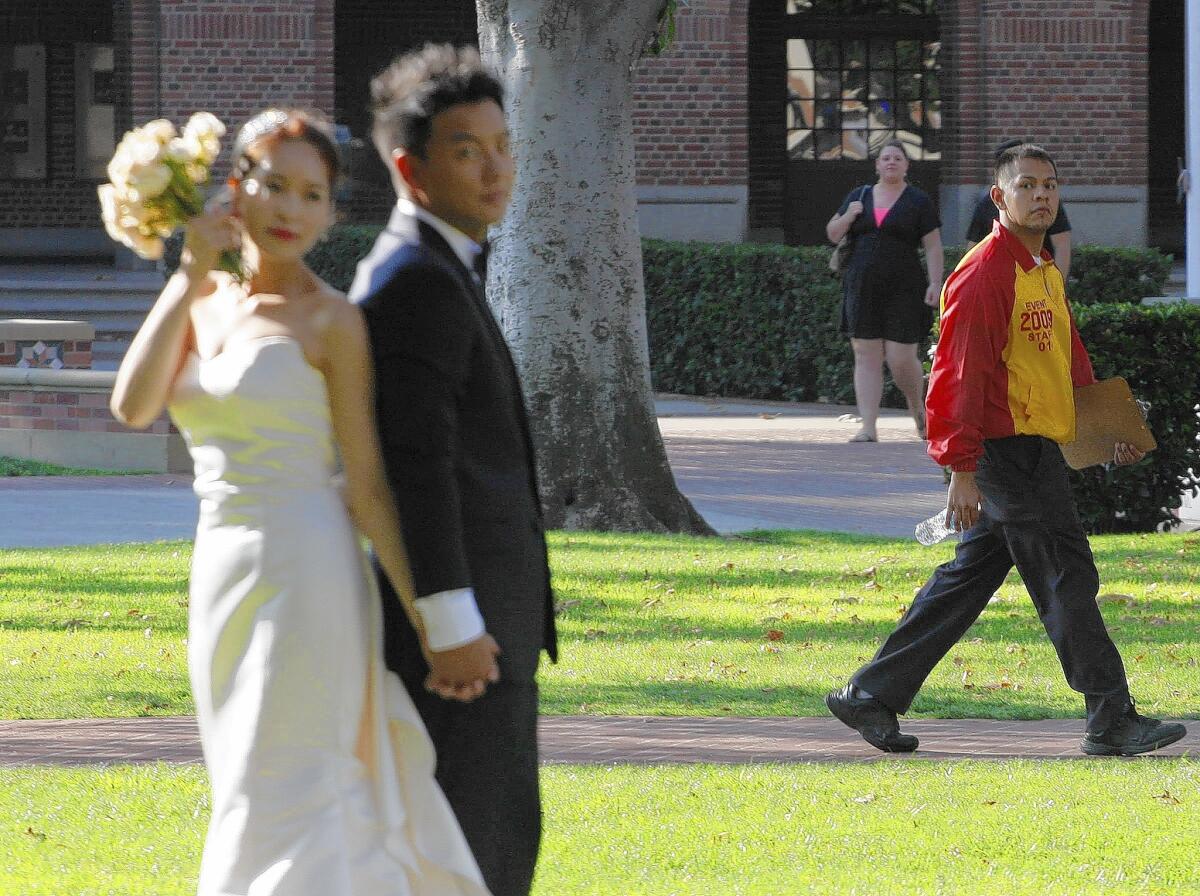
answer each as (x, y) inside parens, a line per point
(1105, 413)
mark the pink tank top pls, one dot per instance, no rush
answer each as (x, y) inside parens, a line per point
(880, 214)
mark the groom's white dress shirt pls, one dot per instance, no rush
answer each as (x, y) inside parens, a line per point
(451, 618)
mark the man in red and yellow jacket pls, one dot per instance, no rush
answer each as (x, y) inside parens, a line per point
(1000, 404)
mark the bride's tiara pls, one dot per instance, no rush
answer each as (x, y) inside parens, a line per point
(258, 127)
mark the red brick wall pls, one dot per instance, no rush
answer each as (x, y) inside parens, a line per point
(690, 115)
(235, 57)
(1071, 73)
(65, 411)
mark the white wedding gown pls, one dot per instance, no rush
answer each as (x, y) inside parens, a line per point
(321, 771)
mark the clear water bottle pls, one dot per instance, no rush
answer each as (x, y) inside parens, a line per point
(937, 528)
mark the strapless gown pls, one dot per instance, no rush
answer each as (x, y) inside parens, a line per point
(321, 770)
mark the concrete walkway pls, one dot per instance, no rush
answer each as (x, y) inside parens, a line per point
(744, 464)
(600, 740)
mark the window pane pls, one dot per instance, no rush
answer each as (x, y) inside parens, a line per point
(883, 53)
(800, 145)
(824, 53)
(828, 85)
(883, 84)
(799, 55)
(932, 85)
(828, 144)
(883, 114)
(854, 143)
(910, 55)
(799, 113)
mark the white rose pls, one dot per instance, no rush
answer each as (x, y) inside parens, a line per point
(148, 181)
(143, 147)
(118, 167)
(204, 132)
(205, 124)
(160, 131)
(149, 247)
(108, 201)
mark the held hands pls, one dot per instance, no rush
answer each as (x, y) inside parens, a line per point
(209, 234)
(463, 673)
(963, 500)
(1125, 454)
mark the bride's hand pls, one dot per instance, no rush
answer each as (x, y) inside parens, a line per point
(463, 673)
(210, 233)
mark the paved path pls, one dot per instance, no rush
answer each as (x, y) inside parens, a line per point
(602, 740)
(745, 465)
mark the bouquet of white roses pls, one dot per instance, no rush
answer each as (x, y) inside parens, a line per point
(156, 175)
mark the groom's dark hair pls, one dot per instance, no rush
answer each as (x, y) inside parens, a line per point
(407, 95)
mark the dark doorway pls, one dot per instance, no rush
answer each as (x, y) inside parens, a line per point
(1166, 121)
(843, 78)
(369, 34)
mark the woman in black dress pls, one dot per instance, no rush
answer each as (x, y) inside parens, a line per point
(888, 301)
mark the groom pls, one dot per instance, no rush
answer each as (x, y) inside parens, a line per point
(458, 454)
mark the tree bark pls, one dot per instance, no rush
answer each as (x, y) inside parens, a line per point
(565, 279)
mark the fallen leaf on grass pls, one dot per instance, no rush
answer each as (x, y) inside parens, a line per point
(36, 835)
(847, 599)
(1125, 600)
(865, 798)
(1169, 798)
(594, 633)
(563, 605)
(774, 634)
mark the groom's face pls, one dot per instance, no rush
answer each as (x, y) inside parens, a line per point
(466, 174)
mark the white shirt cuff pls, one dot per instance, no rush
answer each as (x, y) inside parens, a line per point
(451, 618)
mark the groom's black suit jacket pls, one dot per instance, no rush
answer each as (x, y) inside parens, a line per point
(457, 451)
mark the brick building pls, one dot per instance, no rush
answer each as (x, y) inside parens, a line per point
(753, 126)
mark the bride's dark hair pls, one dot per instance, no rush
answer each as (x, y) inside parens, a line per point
(273, 126)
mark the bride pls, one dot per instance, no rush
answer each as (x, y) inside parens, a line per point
(321, 771)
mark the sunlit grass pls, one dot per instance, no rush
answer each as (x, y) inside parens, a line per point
(649, 625)
(1065, 828)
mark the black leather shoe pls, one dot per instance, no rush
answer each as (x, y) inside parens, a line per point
(1132, 734)
(870, 718)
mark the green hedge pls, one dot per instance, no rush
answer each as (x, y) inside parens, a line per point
(753, 321)
(1157, 349)
(1102, 275)
(758, 321)
(762, 321)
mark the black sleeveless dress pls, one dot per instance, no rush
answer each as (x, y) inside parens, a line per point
(884, 285)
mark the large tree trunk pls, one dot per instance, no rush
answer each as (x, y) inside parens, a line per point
(565, 278)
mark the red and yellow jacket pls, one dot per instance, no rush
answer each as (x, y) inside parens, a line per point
(1008, 355)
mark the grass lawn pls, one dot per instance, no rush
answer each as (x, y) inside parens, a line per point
(650, 625)
(19, 466)
(1070, 828)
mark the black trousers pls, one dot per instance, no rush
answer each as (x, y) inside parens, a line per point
(487, 765)
(1028, 519)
